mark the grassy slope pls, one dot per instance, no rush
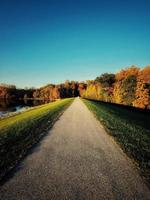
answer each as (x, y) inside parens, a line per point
(130, 128)
(18, 133)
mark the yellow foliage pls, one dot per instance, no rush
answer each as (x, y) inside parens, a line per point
(116, 93)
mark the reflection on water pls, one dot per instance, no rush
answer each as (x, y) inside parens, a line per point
(10, 105)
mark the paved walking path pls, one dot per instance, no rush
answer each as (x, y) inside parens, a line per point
(77, 160)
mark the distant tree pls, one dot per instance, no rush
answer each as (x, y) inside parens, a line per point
(106, 80)
(82, 88)
(36, 94)
(4, 85)
(68, 88)
(91, 91)
(130, 86)
(56, 93)
(25, 96)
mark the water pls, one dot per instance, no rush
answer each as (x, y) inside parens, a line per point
(8, 106)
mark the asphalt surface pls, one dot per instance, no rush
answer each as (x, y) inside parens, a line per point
(76, 160)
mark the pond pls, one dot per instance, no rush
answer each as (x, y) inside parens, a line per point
(9, 106)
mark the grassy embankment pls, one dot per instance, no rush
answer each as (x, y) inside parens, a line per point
(130, 128)
(18, 133)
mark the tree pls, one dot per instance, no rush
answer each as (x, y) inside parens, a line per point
(125, 86)
(133, 70)
(128, 88)
(36, 94)
(106, 80)
(142, 99)
(25, 96)
(82, 88)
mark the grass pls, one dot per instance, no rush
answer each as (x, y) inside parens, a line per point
(130, 128)
(18, 133)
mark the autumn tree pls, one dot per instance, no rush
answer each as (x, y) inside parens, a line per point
(142, 99)
(125, 86)
(91, 91)
(36, 94)
(128, 88)
(105, 86)
(106, 80)
(82, 88)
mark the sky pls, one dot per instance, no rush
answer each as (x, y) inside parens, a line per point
(50, 41)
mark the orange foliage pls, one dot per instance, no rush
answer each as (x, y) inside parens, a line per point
(144, 75)
(143, 89)
(124, 73)
(130, 86)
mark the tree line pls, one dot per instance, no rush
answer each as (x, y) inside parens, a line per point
(47, 92)
(130, 86)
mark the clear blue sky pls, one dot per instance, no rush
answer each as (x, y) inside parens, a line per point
(43, 41)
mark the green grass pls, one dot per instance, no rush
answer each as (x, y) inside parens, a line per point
(18, 133)
(130, 128)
